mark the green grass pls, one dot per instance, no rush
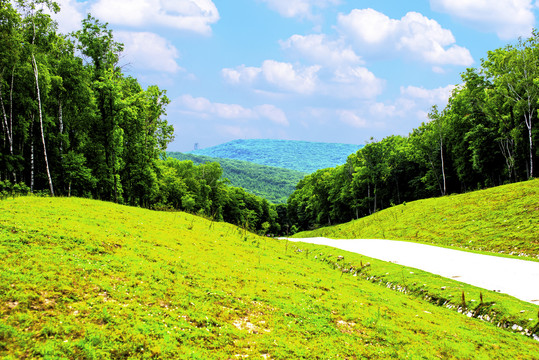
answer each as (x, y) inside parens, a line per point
(272, 183)
(501, 220)
(82, 279)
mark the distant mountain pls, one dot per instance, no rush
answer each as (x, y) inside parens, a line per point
(303, 156)
(272, 183)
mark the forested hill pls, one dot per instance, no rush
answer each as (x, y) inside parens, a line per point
(302, 156)
(272, 183)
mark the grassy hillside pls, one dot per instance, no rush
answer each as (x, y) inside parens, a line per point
(503, 219)
(82, 279)
(302, 156)
(273, 184)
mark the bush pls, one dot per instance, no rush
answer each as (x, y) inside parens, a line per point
(9, 189)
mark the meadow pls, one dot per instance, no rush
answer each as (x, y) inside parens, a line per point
(94, 280)
(503, 220)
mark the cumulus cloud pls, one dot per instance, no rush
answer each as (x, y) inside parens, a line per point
(438, 96)
(355, 82)
(289, 78)
(281, 75)
(318, 49)
(341, 82)
(507, 18)
(206, 109)
(414, 35)
(191, 15)
(148, 51)
(298, 8)
(241, 75)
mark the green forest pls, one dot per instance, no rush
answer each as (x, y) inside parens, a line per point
(272, 183)
(486, 136)
(73, 124)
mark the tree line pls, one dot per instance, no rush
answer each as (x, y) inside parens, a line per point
(73, 124)
(485, 136)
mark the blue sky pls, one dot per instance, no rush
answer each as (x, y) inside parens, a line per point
(314, 70)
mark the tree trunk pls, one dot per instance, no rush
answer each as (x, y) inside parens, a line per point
(507, 146)
(32, 164)
(61, 127)
(36, 74)
(444, 192)
(369, 196)
(436, 174)
(8, 130)
(528, 121)
(375, 196)
(4, 118)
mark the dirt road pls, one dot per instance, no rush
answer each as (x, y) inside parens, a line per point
(519, 278)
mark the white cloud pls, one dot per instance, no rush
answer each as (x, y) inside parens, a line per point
(368, 26)
(242, 74)
(351, 118)
(318, 49)
(430, 41)
(438, 96)
(414, 35)
(192, 15)
(341, 82)
(299, 8)
(355, 82)
(507, 18)
(70, 16)
(204, 108)
(382, 110)
(272, 113)
(281, 75)
(289, 78)
(149, 51)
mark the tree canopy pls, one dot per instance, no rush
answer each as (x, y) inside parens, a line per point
(485, 136)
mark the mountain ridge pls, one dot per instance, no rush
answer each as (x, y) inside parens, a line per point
(303, 156)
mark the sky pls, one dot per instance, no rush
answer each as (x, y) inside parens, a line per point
(341, 71)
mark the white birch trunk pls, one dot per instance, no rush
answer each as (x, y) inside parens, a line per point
(41, 125)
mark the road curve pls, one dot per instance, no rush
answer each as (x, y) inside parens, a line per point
(518, 278)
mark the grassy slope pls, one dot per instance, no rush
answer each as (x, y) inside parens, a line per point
(86, 279)
(303, 156)
(271, 183)
(502, 220)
